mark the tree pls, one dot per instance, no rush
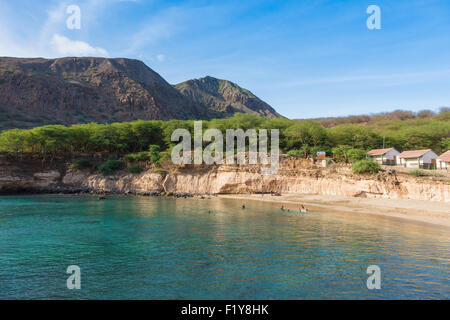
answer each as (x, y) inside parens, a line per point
(354, 155)
(359, 137)
(423, 114)
(13, 141)
(307, 133)
(147, 133)
(340, 153)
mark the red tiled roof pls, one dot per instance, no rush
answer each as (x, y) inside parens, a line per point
(378, 152)
(413, 153)
(445, 156)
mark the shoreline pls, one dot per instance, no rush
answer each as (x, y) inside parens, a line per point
(432, 213)
(405, 210)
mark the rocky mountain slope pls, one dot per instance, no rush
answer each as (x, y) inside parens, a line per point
(39, 91)
(225, 97)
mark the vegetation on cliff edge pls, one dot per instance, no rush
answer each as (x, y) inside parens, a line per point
(146, 140)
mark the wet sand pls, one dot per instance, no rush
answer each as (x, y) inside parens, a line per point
(429, 212)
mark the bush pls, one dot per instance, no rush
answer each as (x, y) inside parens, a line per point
(113, 157)
(366, 166)
(141, 156)
(154, 152)
(295, 153)
(418, 173)
(161, 172)
(135, 169)
(354, 155)
(81, 164)
(346, 153)
(110, 166)
(340, 152)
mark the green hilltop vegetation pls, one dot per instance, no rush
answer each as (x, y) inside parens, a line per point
(344, 140)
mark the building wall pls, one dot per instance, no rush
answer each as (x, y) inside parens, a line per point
(428, 157)
(391, 154)
(442, 164)
(412, 162)
(386, 158)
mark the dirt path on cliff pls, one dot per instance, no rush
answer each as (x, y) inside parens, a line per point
(429, 212)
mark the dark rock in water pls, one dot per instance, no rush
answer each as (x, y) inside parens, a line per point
(181, 195)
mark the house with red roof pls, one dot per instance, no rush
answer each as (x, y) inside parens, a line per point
(417, 159)
(383, 156)
(443, 161)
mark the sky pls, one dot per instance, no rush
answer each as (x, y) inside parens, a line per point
(306, 58)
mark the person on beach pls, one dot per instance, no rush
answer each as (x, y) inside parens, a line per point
(243, 206)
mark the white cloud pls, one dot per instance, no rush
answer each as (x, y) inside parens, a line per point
(67, 47)
(161, 57)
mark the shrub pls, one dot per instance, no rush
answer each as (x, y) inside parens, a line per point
(110, 166)
(418, 173)
(160, 171)
(135, 169)
(81, 164)
(340, 153)
(295, 153)
(141, 156)
(366, 166)
(354, 155)
(154, 152)
(113, 157)
(130, 157)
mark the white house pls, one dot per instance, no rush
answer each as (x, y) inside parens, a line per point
(383, 156)
(443, 161)
(417, 158)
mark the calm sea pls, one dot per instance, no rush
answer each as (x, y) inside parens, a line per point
(162, 248)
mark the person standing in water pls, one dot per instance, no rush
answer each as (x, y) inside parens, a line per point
(303, 209)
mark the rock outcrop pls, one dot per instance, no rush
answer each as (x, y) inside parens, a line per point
(224, 97)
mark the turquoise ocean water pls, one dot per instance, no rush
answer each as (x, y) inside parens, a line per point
(163, 248)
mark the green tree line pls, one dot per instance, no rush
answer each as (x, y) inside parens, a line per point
(302, 138)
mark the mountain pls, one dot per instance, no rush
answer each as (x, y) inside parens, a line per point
(40, 91)
(224, 97)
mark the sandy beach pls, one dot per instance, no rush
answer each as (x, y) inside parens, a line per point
(429, 212)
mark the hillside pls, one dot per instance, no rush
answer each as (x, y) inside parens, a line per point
(39, 91)
(224, 97)
(383, 118)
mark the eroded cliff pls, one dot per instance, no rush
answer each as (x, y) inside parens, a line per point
(294, 176)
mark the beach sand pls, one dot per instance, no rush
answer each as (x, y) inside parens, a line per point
(428, 212)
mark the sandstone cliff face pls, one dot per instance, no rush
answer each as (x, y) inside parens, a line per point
(294, 176)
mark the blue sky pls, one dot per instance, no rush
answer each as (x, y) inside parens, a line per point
(305, 58)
